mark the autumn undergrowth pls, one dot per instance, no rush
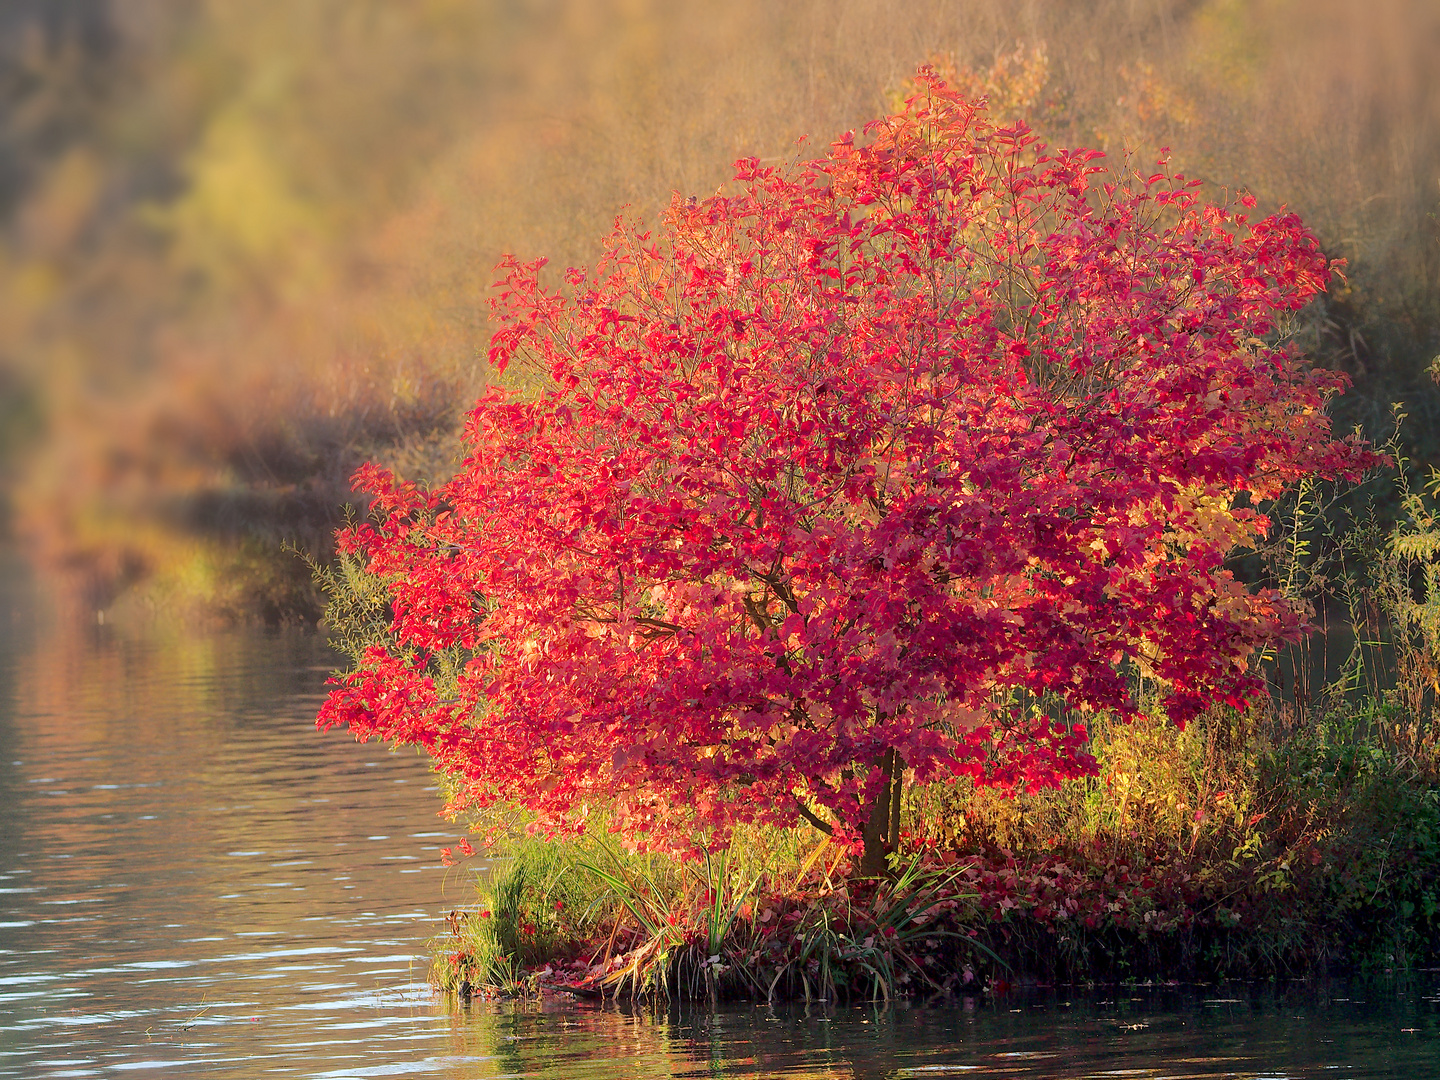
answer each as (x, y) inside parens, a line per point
(1251, 845)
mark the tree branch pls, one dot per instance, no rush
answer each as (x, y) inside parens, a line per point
(819, 823)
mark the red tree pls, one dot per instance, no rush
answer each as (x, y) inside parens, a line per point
(841, 474)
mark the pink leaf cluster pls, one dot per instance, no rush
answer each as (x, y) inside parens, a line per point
(838, 464)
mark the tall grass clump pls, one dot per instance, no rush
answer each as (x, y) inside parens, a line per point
(776, 915)
(616, 920)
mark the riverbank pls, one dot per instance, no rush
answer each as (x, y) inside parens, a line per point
(1249, 846)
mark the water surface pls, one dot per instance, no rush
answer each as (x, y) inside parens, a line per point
(191, 874)
(194, 882)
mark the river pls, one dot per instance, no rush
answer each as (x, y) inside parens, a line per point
(195, 882)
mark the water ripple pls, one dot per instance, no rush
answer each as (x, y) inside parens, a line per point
(194, 882)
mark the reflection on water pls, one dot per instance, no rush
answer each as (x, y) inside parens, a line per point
(194, 882)
(189, 871)
(1153, 1034)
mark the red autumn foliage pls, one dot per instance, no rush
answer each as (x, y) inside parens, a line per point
(836, 465)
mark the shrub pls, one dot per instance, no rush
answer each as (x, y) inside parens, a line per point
(901, 462)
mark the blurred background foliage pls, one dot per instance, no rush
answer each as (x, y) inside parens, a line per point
(245, 245)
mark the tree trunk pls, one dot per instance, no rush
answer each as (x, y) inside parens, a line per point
(882, 831)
